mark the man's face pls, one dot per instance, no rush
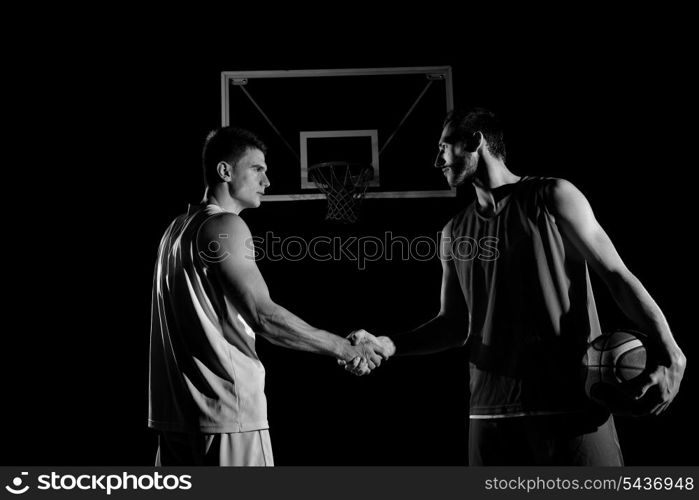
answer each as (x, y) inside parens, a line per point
(457, 164)
(249, 179)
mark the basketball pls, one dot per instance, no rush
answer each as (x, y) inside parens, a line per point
(613, 364)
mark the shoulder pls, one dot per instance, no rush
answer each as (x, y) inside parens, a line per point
(566, 202)
(548, 186)
(556, 186)
(555, 193)
(224, 228)
(224, 223)
(562, 193)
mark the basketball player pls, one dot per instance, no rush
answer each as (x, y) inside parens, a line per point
(516, 291)
(209, 302)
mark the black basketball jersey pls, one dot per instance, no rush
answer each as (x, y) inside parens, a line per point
(532, 311)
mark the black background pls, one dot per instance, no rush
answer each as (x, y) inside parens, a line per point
(112, 119)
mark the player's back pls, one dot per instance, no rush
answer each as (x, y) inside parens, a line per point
(204, 372)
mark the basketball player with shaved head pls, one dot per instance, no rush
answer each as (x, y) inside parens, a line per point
(516, 292)
(206, 392)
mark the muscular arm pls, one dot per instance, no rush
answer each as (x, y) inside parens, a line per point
(230, 254)
(578, 225)
(450, 327)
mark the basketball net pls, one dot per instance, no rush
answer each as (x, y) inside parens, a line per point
(344, 186)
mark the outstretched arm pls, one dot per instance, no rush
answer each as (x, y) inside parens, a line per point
(230, 254)
(579, 226)
(450, 327)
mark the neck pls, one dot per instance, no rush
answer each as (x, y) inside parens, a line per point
(491, 174)
(218, 195)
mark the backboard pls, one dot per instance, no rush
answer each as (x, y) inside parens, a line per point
(389, 118)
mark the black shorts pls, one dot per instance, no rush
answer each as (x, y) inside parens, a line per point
(568, 439)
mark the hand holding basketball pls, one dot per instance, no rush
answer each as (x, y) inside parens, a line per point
(629, 380)
(661, 384)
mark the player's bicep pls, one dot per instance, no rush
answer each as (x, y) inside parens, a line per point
(227, 245)
(580, 227)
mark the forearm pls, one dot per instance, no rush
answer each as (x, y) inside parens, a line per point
(635, 301)
(285, 329)
(438, 334)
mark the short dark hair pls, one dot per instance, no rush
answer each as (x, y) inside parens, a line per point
(227, 144)
(467, 122)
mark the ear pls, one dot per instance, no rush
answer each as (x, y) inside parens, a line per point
(474, 142)
(224, 171)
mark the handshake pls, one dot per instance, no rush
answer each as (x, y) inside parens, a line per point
(366, 352)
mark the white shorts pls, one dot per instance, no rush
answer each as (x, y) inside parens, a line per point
(253, 448)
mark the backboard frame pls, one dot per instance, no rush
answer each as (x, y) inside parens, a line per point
(431, 72)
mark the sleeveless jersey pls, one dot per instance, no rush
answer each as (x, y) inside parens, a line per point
(532, 311)
(205, 375)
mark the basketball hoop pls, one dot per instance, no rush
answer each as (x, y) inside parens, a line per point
(344, 185)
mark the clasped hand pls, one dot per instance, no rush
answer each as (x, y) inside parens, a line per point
(370, 351)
